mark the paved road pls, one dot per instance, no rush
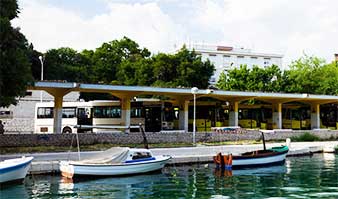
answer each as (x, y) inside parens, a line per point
(182, 151)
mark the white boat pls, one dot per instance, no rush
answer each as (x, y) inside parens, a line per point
(115, 161)
(14, 169)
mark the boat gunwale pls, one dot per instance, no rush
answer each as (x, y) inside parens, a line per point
(121, 164)
(9, 168)
(257, 156)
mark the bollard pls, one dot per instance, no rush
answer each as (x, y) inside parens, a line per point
(288, 142)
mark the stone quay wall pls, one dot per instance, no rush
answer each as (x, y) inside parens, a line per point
(31, 140)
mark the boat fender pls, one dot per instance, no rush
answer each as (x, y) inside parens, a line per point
(230, 160)
(217, 158)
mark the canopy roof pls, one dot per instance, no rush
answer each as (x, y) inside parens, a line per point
(62, 88)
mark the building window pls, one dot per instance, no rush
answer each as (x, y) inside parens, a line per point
(6, 114)
(107, 112)
(226, 60)
(213, 59)
(240, 61)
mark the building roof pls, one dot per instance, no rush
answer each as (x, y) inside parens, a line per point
(227, 50)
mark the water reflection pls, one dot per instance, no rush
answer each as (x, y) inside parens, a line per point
(111, 187)
(8, 190)
(261, 171)
(300, 177)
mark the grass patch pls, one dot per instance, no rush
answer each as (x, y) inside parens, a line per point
(239, 142)
(305, 137)
(101, 147)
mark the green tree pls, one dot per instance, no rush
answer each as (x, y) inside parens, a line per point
(15, 71)
(235, 79)
(303, 75)
(183, 69)
(109, 56)
(35, 62)
(165, 70)
(66, 64)
(138, 71)
(267, 79)
(328, 79)
(311, 74)
(192, 71)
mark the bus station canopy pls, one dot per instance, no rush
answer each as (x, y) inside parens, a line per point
(62, 88)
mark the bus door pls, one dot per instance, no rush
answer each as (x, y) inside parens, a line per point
(84, 117)
(153, 119)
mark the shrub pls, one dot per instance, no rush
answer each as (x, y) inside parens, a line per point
(305, 137)
(336, 149)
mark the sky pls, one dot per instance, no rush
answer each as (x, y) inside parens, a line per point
(288, 27)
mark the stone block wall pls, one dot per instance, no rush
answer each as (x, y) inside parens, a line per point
(30, 140)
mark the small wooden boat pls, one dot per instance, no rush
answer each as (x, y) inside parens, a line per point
(14, 169)
(258, 158)
(114, 162)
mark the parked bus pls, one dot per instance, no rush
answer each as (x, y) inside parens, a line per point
(156, 115)
(153, 114)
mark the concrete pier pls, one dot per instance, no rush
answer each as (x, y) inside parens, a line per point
(48, 162)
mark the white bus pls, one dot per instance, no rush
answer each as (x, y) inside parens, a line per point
(93, 113)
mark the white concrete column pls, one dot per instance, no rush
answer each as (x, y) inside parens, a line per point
(315, 116)
(183, 116)
(233, 114)
(277, 116)
(125, 111)
(57, 127)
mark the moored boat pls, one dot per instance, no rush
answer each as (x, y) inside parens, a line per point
(258, 158)
(273, 156)
(14, 169)
(114, 162)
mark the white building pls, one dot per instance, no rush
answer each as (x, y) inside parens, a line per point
(226, 58)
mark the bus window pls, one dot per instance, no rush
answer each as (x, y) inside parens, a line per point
(136, 112)
(107, 112)
(68, 112)
(45, 112)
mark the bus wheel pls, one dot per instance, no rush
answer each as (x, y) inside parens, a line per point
(67, 130)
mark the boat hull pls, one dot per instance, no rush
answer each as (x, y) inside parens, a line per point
(259, 158)
(258, 161)
(70, 170)
(14, 170)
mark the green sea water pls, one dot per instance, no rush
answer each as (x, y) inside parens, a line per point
(300, 177)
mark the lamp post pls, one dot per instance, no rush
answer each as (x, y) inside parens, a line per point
(41, 61)
(194, 91)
